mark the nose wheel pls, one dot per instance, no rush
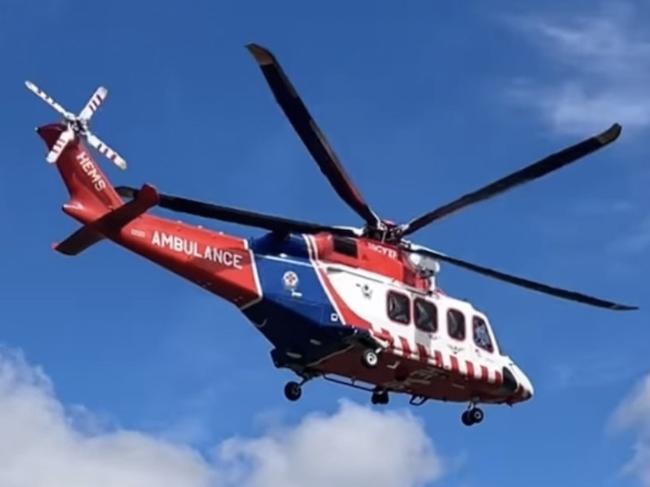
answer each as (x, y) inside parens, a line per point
(472, 416)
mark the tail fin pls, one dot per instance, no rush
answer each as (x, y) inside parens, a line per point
(91, 193)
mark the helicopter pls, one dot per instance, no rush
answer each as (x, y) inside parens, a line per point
(358, 306)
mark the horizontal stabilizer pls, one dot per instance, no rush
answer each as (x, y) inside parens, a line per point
(111, 222)
(79, 241)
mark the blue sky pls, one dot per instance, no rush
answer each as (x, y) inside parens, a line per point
(422, 103)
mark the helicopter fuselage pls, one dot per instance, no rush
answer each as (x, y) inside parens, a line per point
(321, 300)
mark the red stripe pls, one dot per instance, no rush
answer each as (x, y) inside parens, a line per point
(406, 348)
(422, 352)
(349, 317)
(470, 369)
(454, 364)
(497, 377)
(388, 337)
(438, 359)
(484, 373)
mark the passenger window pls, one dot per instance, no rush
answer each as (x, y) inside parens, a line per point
(398, 307)
(456, 324)
(481, 334)
(425, 315)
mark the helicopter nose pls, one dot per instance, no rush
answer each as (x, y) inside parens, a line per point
(527, 390)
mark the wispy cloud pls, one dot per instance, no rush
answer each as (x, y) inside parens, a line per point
(600, 67)
(634, 414)
(636, 241)
(44, 443)
(634, 235)
(590, 369)
(602, 207)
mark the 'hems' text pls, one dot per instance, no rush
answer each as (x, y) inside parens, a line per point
(87, 166)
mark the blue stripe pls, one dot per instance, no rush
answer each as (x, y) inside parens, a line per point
(291, 320)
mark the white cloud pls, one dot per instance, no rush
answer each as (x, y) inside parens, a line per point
(603, 62)
(41, 444)
(44, 444)
(357, 446)
(634, 414)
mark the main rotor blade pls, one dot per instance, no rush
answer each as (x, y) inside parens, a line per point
(527, 174)
(526, 283)
(94, 103)
(235, 215)
(311, 135)
(49, 100)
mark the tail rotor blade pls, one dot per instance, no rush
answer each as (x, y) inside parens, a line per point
(109, 153)
(49, 100)
(94, 103)
(60, 144)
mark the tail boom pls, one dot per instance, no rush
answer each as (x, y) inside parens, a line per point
(220, 263)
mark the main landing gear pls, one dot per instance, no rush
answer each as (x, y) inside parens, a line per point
(369, 358)
(472, 416)
(379, 396)
(293, 390)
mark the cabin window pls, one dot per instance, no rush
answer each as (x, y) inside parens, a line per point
(456, 324)
(425, 315)
(398, 307)
(482, 334)
(346, 246)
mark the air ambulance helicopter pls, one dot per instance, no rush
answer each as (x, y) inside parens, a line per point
(355, 306)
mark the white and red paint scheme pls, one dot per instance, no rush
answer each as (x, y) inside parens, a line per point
(321, 300)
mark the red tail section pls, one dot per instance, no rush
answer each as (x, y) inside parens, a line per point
(91, 193)
(220, 263)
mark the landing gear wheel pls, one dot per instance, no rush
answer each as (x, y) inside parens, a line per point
(476, 414)
(472, 416)
(467, 421)
(369, 358)
(292, 391)
(379, 397)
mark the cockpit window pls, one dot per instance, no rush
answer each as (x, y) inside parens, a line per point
(481, 334)
(398, 307)
(425, 315)
(456, 324)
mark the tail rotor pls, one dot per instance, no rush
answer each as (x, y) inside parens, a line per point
(78, 125)
(60, 144)
(105, 150)
(50, 101)
(94, 103)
